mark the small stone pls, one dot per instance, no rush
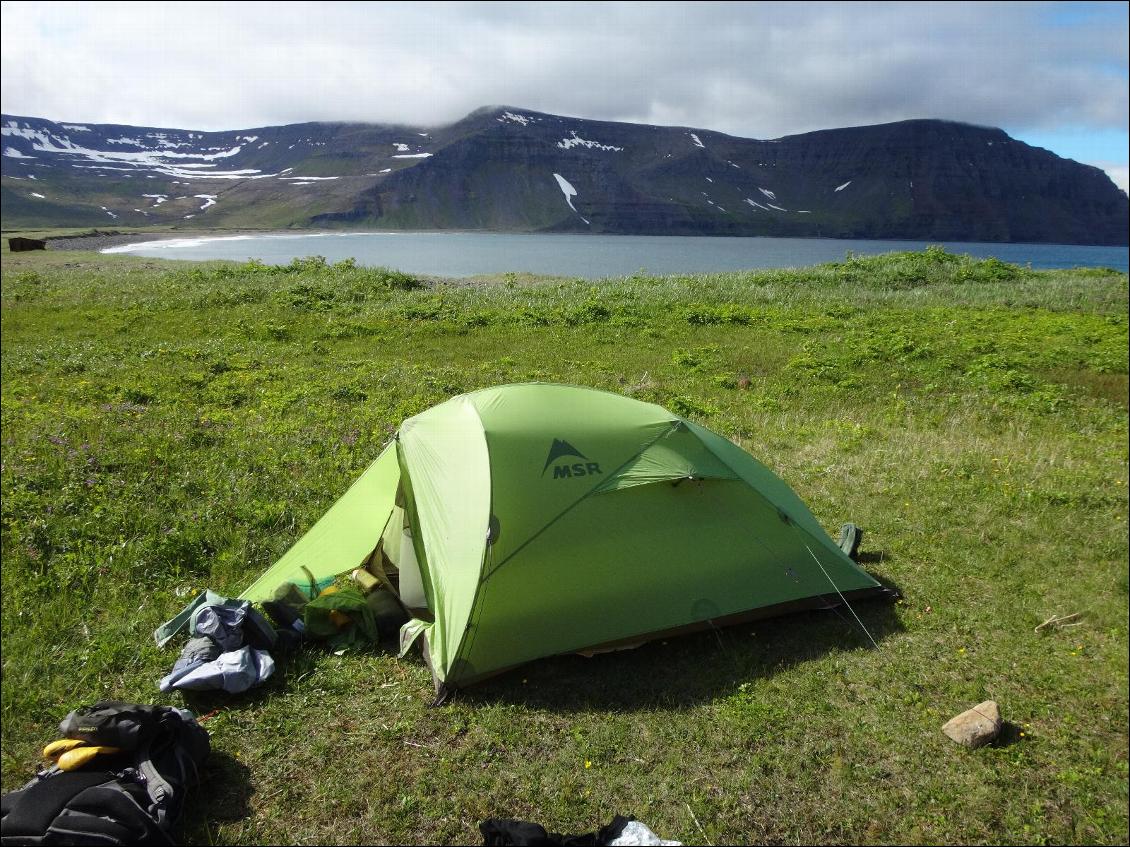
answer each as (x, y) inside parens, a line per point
(975, 727)
(743, 383)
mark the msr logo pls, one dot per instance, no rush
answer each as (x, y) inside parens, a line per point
(559, 449)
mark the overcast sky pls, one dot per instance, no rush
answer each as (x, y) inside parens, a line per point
(1051, 74)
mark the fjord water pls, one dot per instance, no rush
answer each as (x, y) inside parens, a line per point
(460, 254)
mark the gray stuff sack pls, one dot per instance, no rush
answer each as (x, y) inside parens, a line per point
(256, 630)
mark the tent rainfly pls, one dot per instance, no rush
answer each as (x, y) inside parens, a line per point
(537, 519)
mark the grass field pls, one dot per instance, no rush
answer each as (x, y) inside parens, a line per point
(171, 426)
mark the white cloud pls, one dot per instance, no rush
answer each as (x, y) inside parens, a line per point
(758, 70)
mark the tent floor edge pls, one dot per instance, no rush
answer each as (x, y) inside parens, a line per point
(814, 603)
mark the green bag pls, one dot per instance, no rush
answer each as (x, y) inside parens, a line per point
(350, 602)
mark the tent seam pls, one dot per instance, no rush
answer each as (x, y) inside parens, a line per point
(488, 549)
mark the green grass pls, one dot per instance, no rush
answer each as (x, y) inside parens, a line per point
(171, 426)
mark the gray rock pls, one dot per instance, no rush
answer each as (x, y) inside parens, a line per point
(975, 727)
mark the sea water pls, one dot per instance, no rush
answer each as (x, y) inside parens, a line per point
(462, 254)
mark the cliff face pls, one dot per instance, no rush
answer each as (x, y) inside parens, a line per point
(508, 169)
(934, 179)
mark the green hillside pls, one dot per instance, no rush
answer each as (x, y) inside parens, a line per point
(172, 426)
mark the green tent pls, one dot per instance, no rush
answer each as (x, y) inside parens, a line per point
(536, 519)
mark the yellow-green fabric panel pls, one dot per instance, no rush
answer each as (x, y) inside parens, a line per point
(446, 457)
(344, 536)
(640, 560)
(774, 489)
(677, 455)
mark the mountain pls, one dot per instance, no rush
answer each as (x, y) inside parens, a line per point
(502, 168)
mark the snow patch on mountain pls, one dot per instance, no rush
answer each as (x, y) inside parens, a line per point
(401, 147)
(75, 127)
(570, 192)
(244, 173)
(162, 139)
(13, 153)
(524, 120)
(157, 199)
(157, 160)
(697, 141)
(575, 141)
(37, 194)
(411, 155)
(842, 187)
(768, 193)
(209, 200)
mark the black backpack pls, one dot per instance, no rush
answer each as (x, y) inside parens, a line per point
(133, 797)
